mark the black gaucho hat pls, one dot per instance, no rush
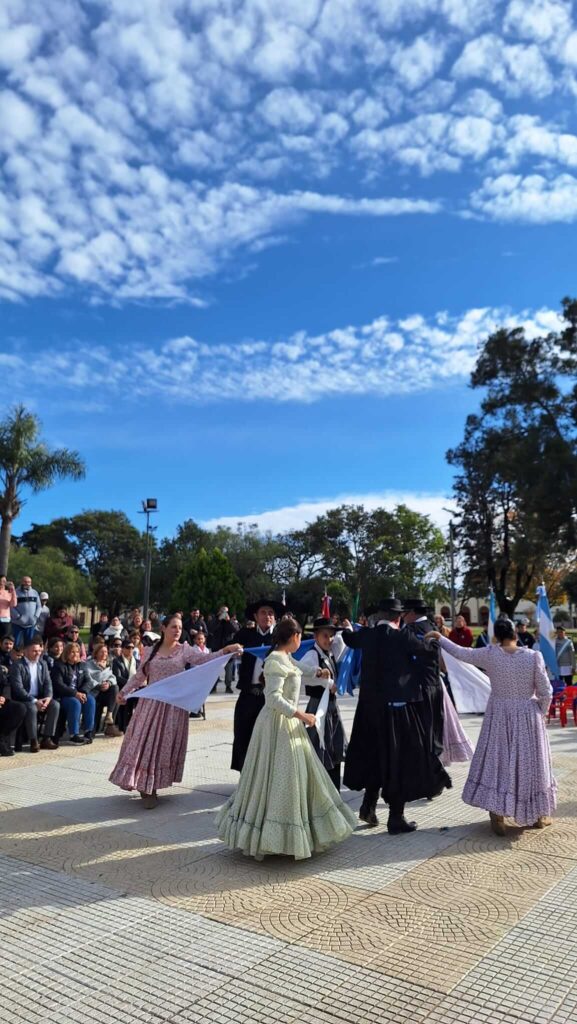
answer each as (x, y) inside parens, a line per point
(416, 604)
(264, 602)
(389, 604)
(322, 623)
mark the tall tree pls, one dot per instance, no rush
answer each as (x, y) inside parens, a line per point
(206, 581)
(50, 572)
(27, 462)
(517, 480)
(105, 546)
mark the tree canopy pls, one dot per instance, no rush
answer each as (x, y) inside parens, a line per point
(50, 572)
(27, 463)
(207, 580)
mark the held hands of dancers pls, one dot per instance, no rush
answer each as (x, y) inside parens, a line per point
(433, 635)
(233, 649)
(323, 673)
(306, 718)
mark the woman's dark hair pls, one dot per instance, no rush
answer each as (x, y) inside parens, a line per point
(283, 631)
(52, 643)
(157, 645)
(504, 630)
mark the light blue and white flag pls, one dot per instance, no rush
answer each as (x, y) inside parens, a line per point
(546, 631)
(492, 615)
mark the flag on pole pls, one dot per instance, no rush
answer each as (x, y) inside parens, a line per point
(546, 631)
(326, 606)
(492, 615)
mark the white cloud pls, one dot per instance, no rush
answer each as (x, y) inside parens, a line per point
(532, 199)
(541, 20)
(296, 517)
(516, 68)
(418, 62)
(384, 357)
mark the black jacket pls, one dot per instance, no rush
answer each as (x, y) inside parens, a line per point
(249, 638)
(223, 633)
(63, 679)
(427, 666)
(388, 672)
(120, 671)
(19, 679)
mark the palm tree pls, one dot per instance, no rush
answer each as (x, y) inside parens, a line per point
(26, 461)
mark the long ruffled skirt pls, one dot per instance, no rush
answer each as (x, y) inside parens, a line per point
(456, 744)
(511, 772)
(285, 803)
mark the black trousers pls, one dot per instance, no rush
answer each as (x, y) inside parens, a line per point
(12, 714)
(370, 799)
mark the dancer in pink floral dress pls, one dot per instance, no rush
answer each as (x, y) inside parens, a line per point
(153, 752)
(511, 773)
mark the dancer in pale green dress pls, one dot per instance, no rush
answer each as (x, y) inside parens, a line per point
(285, 802)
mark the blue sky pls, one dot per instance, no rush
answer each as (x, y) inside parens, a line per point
(269, 236)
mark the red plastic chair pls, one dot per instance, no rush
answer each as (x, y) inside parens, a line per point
(569, 704)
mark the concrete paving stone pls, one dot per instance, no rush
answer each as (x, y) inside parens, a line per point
(303, 974)
(454, 1011)
(297, 909)
(240, 1003)
(566, 1012)
(369, 998)
(412, 959)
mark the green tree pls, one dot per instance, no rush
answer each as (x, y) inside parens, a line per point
(380, 551)
(27, 462)
(105, 547)
(517, 463)
(252, 556)
(206, 581)
(50, 572)
(171, 555)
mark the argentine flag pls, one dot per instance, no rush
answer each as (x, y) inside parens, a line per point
(546, 631)
(492, 616)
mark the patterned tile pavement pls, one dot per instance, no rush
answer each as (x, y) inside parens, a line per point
(116, 915)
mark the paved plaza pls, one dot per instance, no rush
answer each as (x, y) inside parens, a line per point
(111, 913)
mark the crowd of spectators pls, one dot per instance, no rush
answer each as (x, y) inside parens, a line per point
(53, 685)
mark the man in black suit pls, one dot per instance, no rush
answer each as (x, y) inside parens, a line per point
(388, 752)
(250, 701)
(31, 685)
(428, 668)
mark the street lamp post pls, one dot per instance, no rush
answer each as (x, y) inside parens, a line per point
(452, 563)
(148, 505)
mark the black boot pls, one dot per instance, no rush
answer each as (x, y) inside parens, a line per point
(367, 811)
(397, 823)
(5, 748)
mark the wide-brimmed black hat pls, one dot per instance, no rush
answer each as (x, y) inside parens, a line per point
(389, 604)
(322, 623)
(264, 602)
(415, 604)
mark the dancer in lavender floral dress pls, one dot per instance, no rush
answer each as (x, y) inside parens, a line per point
(153, 752)
(511, 774)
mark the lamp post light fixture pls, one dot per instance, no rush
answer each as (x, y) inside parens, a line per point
(149, 505)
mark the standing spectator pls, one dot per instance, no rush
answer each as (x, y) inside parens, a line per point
(97, 629)
(483, 640)
(129, 620)
(54, 651)
(104, 688)
(524, 637)
(440, 625)
(124, 667)
(7, 603)
(223, 633)
(31, 685)
(565, 654)
(200, 641)
(72, 686)
(73, 637)
(139, 644)
(44, 613)
(194, 621)
(25, 613)
(147, 634)
(461, 634)
(59, 624)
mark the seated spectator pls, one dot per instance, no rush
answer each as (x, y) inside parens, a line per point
(136, 639)
(58, 624)
(31, 685)
(124, 667)
(54, 651)
(7, 602)
(128, 620)
(114, 629)
(6, 648)
(155, 622)
(104, 688)
(73, 637)
(72, 686)
(149, 637)
(12, 715)
(461, 634)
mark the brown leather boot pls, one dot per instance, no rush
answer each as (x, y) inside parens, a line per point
(34, 746)
(110, 729)
(47, 744)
